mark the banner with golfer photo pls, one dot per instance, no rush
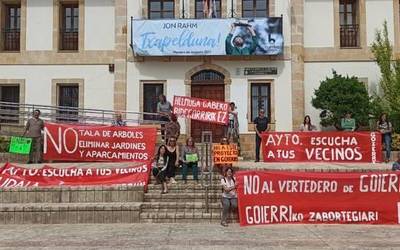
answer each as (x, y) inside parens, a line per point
(195, 37)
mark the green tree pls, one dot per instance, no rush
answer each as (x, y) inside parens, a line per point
(340, 94)
(389, 99)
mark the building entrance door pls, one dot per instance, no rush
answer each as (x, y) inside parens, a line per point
(208, 84)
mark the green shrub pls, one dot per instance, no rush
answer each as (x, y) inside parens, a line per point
(388, 100)
(340, 94)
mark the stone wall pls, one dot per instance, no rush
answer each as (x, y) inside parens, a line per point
(62, 205)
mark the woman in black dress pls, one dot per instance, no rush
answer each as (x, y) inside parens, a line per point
(173, 155)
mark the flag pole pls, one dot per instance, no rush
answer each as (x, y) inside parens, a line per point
(231, 8)
(183, 8)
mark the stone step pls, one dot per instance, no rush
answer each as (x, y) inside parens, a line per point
(180, 197)
(183, 186)
(215, 177)
(211, 200)
(67, 213)
(182, 192)
(180, 210)
(184, 189)
(185, 217)
(180, 221)
(146, 206)
(72, 194)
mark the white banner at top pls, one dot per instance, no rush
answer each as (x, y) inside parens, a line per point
(191, 37)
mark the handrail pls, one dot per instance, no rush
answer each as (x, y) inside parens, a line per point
(16, 113)
(206, 165)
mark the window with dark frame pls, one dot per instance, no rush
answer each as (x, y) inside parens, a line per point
(69, 27)
(161, 9)
(260, 99)
(151, 92)
(199, 9)
(9, 94)
(12, 27)
(68, 103)
(348, 20)
(255, 8)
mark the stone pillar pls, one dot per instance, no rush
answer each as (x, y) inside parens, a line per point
(297, 52)
(120, 57)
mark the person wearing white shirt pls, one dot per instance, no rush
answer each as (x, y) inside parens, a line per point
(307, 126)
(229, 196)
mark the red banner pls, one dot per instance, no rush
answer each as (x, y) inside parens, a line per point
(204, 110)
(322, 147)
(12, 176)
(305, 197)
(98, 143)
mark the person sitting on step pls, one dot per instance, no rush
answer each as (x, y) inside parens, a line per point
(160, 166)
(190, 158)
(172, 151)
(229, 196)
(396, 164)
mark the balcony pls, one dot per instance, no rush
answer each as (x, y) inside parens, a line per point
(349, 36)
(11, 39)
(69, 39)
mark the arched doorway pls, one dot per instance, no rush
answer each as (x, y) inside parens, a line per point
(207, 84)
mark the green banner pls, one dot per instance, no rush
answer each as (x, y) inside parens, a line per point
(192, 158)
(20, 145)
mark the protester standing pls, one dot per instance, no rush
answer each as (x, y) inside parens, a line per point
(160, 166)
(172, 128)
(229, 196)
(348, 123)
(164, 109)
(118, 121)
(233, 125)
(261, 125)
(307, 125)
(33, 129)
(173, 161)
(384, 126)
(190, 158)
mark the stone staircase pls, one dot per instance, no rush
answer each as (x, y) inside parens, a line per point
(69, 205)
(185, 203)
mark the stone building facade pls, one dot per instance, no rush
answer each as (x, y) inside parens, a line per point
(77, 52)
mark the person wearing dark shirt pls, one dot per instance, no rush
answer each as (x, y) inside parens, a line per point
(237, 46)
(385, 127)
(172, 128)
(261, 125)
(173, 156)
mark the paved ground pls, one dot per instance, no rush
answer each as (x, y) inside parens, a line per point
(198, 236)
